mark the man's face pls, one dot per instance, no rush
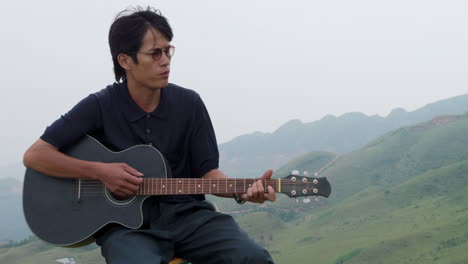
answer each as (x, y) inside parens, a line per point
(148, 72)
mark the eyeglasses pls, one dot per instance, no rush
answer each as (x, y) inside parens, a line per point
(157, 53)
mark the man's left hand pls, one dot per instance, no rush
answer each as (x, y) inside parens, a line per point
(257, 194)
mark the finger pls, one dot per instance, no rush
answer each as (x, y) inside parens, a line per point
(267, 174)
(132, 171)
(133, 180)
(255, 191)
(244, 196)
(131, 188)
(123, 187)
(249, 194)
(271, 194)
(122, 193)
(261, 190)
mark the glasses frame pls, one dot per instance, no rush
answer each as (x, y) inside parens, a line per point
(158, 52)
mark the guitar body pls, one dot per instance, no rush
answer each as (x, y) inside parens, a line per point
(67, 212)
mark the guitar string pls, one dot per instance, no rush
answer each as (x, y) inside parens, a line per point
(196, 186)
(206, 190)
(100, 191)
(187, 187)
(183, 192)
(198, 182)
(90, 186)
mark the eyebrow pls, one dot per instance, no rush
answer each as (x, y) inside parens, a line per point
(154, 48)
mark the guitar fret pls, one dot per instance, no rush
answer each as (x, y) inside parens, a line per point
(200, 186)
(235, 186)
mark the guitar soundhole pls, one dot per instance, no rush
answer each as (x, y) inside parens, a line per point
(117, 200)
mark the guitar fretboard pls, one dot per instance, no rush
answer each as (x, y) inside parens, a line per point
(174, 186)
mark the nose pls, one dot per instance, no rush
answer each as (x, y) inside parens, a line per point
(164, 60)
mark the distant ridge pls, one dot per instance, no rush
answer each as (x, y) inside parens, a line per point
(250, 154)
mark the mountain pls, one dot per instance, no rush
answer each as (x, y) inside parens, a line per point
(12, 223)
(250, 155)
(401, 198)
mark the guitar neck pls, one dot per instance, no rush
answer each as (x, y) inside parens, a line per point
(175, 186)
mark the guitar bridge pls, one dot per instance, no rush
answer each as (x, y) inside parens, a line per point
(77, 196)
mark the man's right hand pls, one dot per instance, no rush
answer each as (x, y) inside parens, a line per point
(121, 179)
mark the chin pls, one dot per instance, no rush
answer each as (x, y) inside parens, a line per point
(162, 84)
(159, 85)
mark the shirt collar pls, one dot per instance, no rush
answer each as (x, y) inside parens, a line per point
(133, 112)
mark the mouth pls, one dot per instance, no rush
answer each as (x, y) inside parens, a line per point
(165, 74)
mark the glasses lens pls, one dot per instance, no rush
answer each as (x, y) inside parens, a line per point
(157, 54)
(170, 51)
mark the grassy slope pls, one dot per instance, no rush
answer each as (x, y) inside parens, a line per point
(387, 208)
(37, 252)
(401, 199)
(409, 223)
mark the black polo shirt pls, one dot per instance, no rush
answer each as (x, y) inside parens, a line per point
(180, 128)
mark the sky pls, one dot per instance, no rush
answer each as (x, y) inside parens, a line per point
(256, 64)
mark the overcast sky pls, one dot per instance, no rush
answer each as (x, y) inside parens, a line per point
(256, 64)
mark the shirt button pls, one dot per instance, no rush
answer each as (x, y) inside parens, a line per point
(151, 143)
(148, 131)
(148, 115)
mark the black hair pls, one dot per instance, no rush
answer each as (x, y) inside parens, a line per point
(128, 29)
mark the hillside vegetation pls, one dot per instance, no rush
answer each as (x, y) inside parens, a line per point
(402, 198)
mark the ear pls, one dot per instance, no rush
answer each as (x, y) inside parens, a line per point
(125, 61)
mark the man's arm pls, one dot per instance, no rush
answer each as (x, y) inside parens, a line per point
(119, 178)
(254, 194)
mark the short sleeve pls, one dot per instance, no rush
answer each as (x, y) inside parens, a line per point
(204, 148)
(82, 119)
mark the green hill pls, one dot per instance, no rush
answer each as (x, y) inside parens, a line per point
(402, 198)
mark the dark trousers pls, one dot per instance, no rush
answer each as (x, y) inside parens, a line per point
(192, 230)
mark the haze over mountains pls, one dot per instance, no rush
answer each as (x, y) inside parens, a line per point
(250, 155)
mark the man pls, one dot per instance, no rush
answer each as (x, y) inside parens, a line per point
(143, 108)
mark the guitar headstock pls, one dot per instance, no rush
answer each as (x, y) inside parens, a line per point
(296, 185)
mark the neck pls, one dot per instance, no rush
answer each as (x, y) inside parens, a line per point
(146, 98)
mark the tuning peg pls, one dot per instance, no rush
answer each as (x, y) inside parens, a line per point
(295, 172)
(306, 173)
(297, 200)
(316, 198)
(316, 174)
(306, 200)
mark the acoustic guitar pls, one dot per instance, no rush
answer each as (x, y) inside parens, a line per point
(67, 212)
